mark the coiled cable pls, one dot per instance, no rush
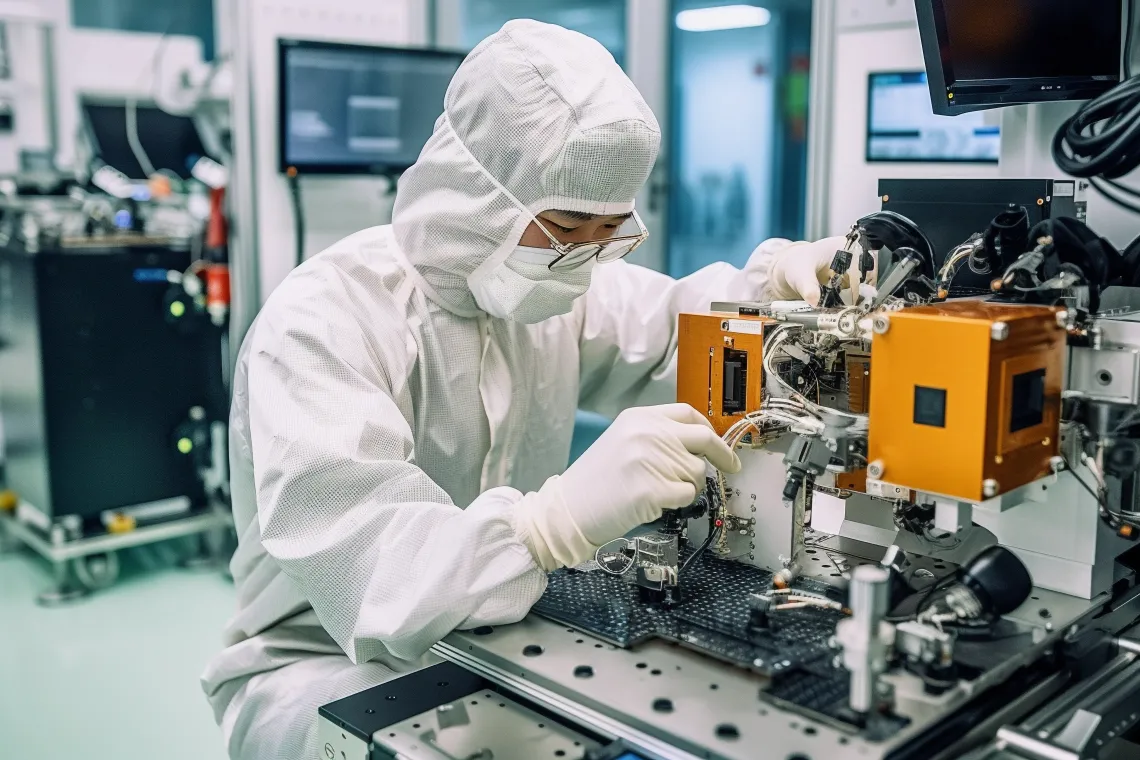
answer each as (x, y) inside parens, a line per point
(1101, 141)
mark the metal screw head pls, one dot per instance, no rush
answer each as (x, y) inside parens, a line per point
(989, 488)
(875, 469)
(1062, 318)
(724, 325)
(999, 331)
(880, 324)
(1056, 464)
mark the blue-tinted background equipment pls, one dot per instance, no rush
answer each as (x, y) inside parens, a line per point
(902, 125)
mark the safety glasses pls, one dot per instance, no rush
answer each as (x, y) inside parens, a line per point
(573, 255)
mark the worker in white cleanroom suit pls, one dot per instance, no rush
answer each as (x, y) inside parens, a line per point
(403, 405)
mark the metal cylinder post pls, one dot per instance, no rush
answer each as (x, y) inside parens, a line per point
(864, 655)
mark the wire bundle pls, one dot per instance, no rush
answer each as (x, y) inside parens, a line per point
(1101, 141)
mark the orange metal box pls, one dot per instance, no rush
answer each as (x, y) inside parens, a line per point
(719, 365)
(965, 398)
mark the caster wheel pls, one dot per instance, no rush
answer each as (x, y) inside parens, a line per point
(96, 571)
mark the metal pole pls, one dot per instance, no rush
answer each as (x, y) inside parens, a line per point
(820, 118)
(244, 248)
(51, 114)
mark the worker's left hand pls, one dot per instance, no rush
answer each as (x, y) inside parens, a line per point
(799, 270)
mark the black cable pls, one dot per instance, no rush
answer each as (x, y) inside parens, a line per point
(1104, 188)
(298, 215)
(712, 491)
(1123, 188)
(713, 533)
(1106, 514)
(1128, 22)
(924, 597)
(1102, 139)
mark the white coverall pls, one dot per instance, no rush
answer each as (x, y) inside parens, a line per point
(383, 426)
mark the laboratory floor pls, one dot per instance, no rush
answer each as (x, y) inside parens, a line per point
(114, 675)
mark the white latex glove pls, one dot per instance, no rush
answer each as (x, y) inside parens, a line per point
(799, 270)
(651, 458)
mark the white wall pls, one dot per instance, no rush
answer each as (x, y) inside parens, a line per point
(871, 35)
(333, 208)
(27, 91)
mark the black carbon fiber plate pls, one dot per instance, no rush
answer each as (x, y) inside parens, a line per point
(713, 619)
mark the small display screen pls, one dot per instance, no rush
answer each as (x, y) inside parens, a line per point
(902, 125)
(348, 109)
(735, 381)
(1031, 39)
(929, 406)
(1027, 407)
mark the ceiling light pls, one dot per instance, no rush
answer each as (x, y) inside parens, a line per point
(722, 17)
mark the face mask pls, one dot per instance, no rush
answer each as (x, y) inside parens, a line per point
(523, 289)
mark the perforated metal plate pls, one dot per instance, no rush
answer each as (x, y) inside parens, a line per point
(713, 618)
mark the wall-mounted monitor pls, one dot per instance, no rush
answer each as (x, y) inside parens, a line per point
(356, 109)
(992, 53)
(902, 127)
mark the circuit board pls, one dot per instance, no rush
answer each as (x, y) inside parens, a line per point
(713, 618)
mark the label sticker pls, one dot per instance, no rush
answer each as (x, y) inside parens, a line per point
(744, 326)
(1064, 189)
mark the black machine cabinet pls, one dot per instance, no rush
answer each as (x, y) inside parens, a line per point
(97, 374)
(950, 210)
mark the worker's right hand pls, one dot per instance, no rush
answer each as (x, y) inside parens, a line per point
(800, 270)
(651, 458)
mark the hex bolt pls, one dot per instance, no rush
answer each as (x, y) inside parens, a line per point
(989, 488)
(999, 331)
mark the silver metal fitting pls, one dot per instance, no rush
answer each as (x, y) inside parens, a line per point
(999, 331)
(1056, 464)
(989, 488)
(1063, 318)
(864, 636)
(880, 324)
(876, 469)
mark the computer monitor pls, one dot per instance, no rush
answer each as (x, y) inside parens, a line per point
(170, 142)
(356, 109)
(902, 127)
(991, 53)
